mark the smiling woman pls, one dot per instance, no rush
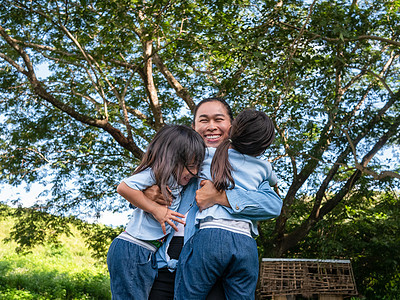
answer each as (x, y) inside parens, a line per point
(212, 120)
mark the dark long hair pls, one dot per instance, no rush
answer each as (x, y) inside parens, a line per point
(172, 149)
(251, 133)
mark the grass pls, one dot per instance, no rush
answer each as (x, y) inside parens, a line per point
(67, 271)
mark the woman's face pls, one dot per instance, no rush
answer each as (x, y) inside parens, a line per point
(212, 122)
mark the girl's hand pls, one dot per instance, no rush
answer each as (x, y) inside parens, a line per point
(165, 215)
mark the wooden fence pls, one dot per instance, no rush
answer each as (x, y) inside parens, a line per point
(326, 278)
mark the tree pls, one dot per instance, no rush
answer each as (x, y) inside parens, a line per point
(366, 231)
(326, 72)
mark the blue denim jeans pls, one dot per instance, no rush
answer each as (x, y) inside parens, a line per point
(132, 269)
(214, 253)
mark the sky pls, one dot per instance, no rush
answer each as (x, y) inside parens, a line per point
(28, 198)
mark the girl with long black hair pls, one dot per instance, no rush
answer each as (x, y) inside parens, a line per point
(173, 157)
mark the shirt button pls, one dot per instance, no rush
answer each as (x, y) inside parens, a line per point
(237, 207)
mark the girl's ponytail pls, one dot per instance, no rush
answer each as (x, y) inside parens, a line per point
(252, 132)
(221, 167)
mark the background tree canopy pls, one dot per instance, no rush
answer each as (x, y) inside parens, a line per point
(327, 72)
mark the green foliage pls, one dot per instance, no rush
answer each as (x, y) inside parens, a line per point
(99, 237)
(325, 71)
(33, 227)
(62, 271)
(366, 233)
(36, 228)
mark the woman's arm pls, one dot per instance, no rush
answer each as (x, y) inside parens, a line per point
(154, 193)
(260, 204)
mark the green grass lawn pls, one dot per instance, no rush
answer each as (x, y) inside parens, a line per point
(51, 272)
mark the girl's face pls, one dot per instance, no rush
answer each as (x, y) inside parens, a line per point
(213, 123)
(187, 174)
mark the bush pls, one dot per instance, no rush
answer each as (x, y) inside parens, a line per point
(65, 270)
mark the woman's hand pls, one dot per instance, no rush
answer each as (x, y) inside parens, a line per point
(154, 193)
(276, 189)
(208, 196)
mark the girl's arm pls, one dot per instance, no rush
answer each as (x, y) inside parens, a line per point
(160, 212)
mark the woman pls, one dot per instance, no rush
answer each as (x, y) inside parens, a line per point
(224, 245)
(212, 120)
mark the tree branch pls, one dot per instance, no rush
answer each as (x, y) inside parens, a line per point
(180, 91)
(42, 93)
(359, 38)
(312, 164)
(122, 106)
(295, 44)
(289, 240)
(150, 87)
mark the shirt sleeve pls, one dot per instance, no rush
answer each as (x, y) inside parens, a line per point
(273, 179)
(260, 204)
(140, 181)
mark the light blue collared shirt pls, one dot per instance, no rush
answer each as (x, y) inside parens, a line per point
(143, 225)
(249, 173)
(260, 203)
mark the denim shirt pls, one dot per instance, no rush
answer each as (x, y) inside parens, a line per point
(143, 225)
(249, 173)
(260, 203)
(187, 206)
